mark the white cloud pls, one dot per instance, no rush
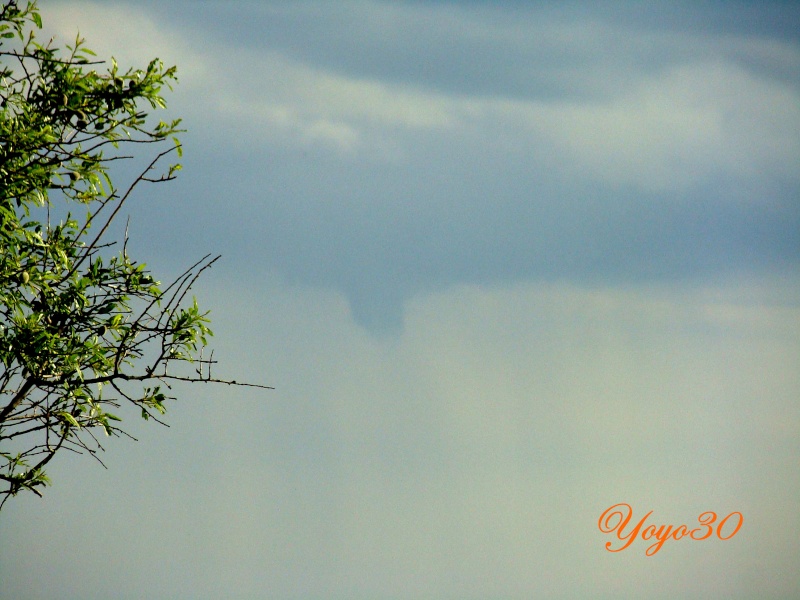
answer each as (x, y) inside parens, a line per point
(301, 104)
(131, 35)
(671, 130)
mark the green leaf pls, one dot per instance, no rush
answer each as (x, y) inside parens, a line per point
(69, 418)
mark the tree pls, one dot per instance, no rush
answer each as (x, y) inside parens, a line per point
(84, 329)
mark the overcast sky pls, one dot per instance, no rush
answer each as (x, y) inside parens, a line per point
(506, 263)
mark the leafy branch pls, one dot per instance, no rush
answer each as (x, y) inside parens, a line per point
(84, 330)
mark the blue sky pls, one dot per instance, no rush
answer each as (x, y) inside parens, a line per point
(506, 264)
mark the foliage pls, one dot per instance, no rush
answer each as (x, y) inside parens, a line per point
(84, 329)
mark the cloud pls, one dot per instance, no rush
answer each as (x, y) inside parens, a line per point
(477, 450)
(132, 35)
(706, 107)
(474, 454)
(295, 103)
(377, 160)
(672, 132)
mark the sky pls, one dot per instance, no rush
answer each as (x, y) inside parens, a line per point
(506, 264)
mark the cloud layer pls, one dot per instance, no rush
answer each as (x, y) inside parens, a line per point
(471, 457)
(446, 143)
(506, 266)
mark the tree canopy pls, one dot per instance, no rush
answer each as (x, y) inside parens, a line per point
(84, 328)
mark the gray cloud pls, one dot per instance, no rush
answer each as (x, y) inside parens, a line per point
(655, 153)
